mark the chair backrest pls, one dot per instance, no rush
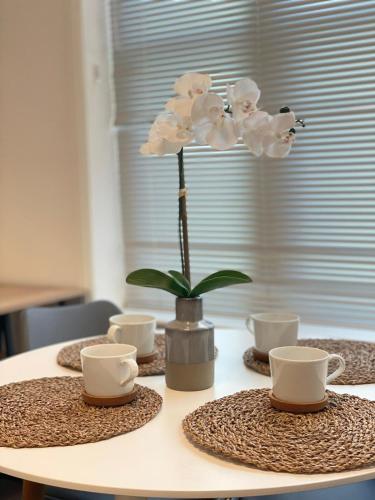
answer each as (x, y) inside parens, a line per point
(49, 325)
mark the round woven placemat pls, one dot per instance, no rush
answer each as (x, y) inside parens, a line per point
(245, 428)
(50, 412)
(70, 356)
(359, 358)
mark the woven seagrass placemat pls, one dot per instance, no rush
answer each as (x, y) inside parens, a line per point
(50, 412)
(245, 428)
(70, 357)
(359, 358)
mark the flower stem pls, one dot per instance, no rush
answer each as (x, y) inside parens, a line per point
(182, 219)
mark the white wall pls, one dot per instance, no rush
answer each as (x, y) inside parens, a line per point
(43, 195)
(59, 216)
(107, 255)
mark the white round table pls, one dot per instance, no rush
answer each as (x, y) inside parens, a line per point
(157, 460)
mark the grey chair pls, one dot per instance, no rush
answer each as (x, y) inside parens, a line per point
(48, 325)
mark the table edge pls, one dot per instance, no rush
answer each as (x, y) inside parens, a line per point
(148, 493)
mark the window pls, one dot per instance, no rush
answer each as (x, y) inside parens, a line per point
(302, 227)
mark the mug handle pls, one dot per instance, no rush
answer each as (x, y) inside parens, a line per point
(112, 332)
(249, 324)
(133, 370)
(339, 370)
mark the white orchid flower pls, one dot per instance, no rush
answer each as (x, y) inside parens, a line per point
(188, 87)
(196, 114)
(278, 140)
(174, 128)
(272, 135)
(254, 129)
(156, 145)
(168, 134)
(159, 147)
(180, 106)
(243, 97)
(211, 124)
(192, 85)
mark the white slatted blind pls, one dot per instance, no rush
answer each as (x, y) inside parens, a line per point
(302, 227)
(319, 57)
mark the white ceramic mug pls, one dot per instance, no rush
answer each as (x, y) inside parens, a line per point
(133, 329)
(273, 329)
(109, 369)
(299, 374)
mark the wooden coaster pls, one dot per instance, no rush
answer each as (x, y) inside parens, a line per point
(297, 407)
(147, 358)
(113, 401)
(261, 356)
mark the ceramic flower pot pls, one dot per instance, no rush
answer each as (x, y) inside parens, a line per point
(190, 348)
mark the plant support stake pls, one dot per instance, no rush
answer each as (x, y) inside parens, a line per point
(182, 219)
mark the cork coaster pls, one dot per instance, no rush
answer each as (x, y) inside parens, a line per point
(359, 358)
(290, 407)
(260, 356)
(51, 412)
(110, 401)
(147, 358)
(244, 427)
(70, 357)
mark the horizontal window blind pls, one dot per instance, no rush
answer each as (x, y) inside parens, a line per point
(303, 226)
(318, 57)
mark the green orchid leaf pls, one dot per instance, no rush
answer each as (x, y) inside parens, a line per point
(153, 278)
(227, 272)
(181, 279)
(220, 279)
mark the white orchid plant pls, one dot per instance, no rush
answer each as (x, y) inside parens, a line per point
(197, 115)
